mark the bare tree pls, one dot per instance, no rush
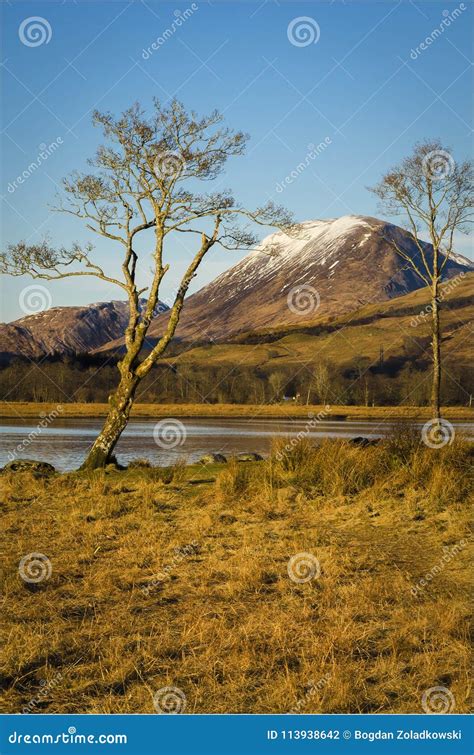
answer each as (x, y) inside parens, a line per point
(435, 195)
(322, 381)
(277, 382)
(145, 180)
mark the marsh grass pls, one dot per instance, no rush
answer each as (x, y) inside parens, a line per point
(338, 468)
(29, 409)
(225, 623)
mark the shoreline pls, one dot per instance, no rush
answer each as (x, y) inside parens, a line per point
(28, 410)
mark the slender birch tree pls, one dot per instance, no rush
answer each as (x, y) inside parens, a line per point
(435, 196)
(146, 184)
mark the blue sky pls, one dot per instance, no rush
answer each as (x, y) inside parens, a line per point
(360, 85)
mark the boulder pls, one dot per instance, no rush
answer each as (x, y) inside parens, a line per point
(29, 465)
(250, 456)
(212, 458)
(363, 442)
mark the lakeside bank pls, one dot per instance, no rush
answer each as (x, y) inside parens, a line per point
(25, 409)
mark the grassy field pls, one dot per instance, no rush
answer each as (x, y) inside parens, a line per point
(344, 339)
(356, 335)
(183, 578)
(27, 410)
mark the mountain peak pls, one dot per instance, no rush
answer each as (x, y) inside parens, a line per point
(315, 241)
(343, 262)
(324, 269)
(330, 228)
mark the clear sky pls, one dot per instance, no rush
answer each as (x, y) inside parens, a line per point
(359, 80)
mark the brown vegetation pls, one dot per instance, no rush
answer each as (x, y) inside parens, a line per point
(378, 355)
(180, 578)
(27, 409)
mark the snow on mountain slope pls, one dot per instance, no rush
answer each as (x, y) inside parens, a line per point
(316, 243)
(326, 268)
(65, 330)
(331, 267)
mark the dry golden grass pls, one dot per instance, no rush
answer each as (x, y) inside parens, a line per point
(29, 409)
(226, 624)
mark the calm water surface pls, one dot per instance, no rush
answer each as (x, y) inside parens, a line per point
(66, 441)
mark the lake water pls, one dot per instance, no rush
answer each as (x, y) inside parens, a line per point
(66, 441)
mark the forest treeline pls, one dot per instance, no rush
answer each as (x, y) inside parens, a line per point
(91, 379)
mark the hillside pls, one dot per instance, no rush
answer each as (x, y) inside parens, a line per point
(64, 330)
(400, 327)
(387, 345)
(331, 267)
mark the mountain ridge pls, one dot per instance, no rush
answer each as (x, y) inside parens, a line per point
(334, 266)
(65, 330)
(327, 269)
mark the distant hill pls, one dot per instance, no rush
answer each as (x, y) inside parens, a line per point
(379, 353)
(64, 330)
(396, 331)
(330, 268)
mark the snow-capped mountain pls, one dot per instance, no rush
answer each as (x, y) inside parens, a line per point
(330, 267)
(325, 269)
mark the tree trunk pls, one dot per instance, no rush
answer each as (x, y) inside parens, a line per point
(436, 345)
(119, 412)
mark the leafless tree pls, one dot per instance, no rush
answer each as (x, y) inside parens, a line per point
(435, 196)
(146, 182)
